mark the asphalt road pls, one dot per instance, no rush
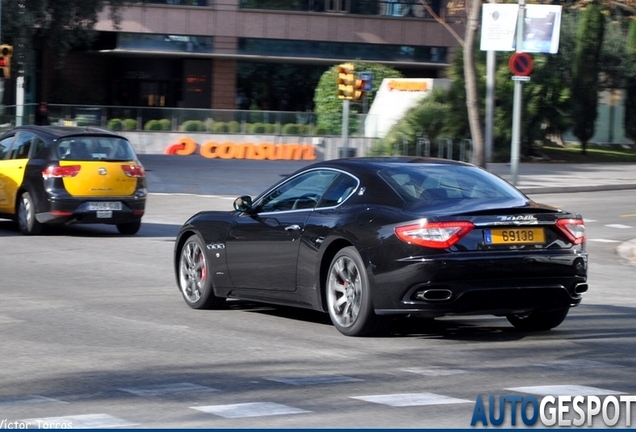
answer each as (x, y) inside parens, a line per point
(94, 333)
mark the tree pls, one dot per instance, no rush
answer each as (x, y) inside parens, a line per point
(328, 107)
(585, 74)
(56, 26)
(630, 97)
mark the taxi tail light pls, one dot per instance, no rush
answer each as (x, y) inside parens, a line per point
(133, 170)
(574, 230)
(56, 171)
(438, 235)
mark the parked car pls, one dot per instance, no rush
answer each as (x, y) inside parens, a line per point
(70, 175)
(364, 239)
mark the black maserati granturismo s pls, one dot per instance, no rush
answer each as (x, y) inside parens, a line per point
(364, 239)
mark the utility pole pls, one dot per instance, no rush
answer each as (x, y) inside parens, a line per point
(516, 108)
(19, 82)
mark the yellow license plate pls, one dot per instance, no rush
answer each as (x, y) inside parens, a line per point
(515, 236)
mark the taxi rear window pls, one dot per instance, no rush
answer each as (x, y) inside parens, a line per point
(94, 148)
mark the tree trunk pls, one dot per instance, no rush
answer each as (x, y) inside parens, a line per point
(470, 75)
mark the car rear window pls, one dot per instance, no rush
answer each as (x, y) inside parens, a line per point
(435, 183)
(94, 148)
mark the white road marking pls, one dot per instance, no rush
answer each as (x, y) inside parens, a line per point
(411, 399)
(165, 389)
(619, 226)
(435, 371)
(601, 240)
(577, 364)
(253, 409)
(28, 400)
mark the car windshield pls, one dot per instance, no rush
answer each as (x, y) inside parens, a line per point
(432, 184)
(94, 148)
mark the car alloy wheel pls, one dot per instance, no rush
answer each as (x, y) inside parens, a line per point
(26, 216)
(194, 281)
(349, 297)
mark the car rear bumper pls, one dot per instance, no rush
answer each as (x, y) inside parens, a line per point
(450, 286)
(73, 210)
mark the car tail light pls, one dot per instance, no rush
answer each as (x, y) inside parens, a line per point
(574, 229)
(55, 171)
(133, 170)
(439, 235)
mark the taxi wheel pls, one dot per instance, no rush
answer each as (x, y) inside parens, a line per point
(26, 216)
(129, 228)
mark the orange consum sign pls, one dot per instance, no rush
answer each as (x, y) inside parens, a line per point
(521, 64)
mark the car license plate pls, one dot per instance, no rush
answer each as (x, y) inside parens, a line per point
(515, 236)
(104, 205)
(102, 214)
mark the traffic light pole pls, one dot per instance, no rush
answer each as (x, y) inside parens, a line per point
(345, 123)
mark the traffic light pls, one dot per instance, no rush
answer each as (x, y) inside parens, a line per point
(345, 81)
(6, 51)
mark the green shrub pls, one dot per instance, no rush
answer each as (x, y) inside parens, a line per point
(234, 127)
(193, 126)
(290, 129)
(166, 124)
(115, 124)
(220, 127)
(320, 130)
(258, 128)
(152, 125)
(130, 124)
(270, 128)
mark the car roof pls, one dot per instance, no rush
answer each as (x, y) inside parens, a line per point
(380, 162)
(56, 132)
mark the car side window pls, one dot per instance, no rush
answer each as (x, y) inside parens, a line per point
(5, 144)
(299, 193)
(21, 146)
(339, 191)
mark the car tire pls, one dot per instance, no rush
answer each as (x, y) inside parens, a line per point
(539, 320)
(348, 292)
(129, 228)
(27, 222)
(194, 276)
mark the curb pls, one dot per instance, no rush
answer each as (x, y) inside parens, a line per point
(565, 189)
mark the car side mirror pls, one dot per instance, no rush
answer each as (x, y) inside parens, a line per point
(243, 203)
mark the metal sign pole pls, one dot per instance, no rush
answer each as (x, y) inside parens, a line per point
(345, 124)
(516, 108)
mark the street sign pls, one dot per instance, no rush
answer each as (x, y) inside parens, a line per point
(520, 78)
(521, 64)
(367, 77)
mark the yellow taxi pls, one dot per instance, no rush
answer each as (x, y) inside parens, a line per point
(70, 175)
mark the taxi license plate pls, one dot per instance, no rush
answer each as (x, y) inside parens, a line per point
(104, 205)
(515, 236)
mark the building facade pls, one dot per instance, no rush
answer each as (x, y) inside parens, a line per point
(244, 54)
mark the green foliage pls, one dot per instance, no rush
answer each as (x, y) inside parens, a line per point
(291, 129)
(234, 126)
(115, 124)
(152, 125)
(328, 107)
(257, 128)
(220, 127)
(58, 25)
(630, 86)
(130, 124)
(193, 126)
(586, 73)
(165, 124)
(320, 130)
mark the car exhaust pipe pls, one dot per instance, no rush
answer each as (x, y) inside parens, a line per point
(580, 288)
(435, 294)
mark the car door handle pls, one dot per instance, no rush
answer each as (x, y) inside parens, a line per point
(293, 227)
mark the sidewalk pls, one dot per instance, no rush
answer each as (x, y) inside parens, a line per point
(559, 177)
